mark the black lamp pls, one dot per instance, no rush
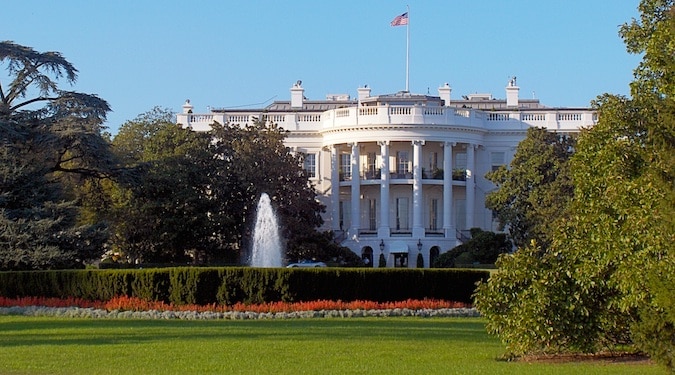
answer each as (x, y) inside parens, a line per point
(382, 245)
(419, 245)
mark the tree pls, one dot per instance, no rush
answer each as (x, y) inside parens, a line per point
(168, 215)
(606, 280)
(533, 193)
(50, 144)
(260, 162)
(196, 195)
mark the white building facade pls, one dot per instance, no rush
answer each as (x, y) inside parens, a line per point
(403, 174)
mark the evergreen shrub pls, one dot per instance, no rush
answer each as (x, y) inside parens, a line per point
(230, 285)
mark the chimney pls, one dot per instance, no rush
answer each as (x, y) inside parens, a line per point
(444, 92)
(512, 93)
(297, 95)
(187, 107)
(364, 92)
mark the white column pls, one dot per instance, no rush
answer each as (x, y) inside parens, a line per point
(383, 230)
(356, 192)
(448, 228)
(417, 225)
(334, 188)
(470, 184)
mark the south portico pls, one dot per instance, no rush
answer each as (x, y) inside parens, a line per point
(402, 175)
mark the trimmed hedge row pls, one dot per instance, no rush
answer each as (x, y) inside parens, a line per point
(230, 285)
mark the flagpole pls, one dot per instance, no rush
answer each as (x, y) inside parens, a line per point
(407, 51)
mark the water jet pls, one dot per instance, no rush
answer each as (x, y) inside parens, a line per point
(267, 249)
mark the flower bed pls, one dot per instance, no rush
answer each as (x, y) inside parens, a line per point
(126, 307)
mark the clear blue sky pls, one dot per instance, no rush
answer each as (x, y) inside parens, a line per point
(137, 54)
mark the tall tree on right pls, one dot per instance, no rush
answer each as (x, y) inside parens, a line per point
(622, 225)
(607, 279)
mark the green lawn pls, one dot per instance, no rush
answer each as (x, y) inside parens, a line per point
(30, 345)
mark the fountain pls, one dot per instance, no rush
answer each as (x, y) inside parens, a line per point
(267, 249)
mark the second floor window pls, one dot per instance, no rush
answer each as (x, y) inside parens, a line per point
(497, 160)
(309, 165)
(402, 162)
(345, 166)
(460, 160)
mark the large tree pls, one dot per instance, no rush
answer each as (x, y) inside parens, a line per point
(197, 191)
(533, 192)
(167, 214)
(607, 279)
(50, 143)
(261, 163)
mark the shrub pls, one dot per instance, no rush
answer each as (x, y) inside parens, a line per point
(534, 306)
(228, 286)
(484, 247)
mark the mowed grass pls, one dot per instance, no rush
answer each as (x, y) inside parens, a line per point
(31, 345)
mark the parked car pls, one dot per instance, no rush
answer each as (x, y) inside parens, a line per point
(306, 263)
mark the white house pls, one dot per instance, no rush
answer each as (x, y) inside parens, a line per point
(403, 174)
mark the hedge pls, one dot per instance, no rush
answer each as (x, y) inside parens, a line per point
(230, 285)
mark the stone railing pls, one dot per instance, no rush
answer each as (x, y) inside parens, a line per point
(554, 119)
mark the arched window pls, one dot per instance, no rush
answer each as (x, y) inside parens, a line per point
(367, 256)
(434, 252)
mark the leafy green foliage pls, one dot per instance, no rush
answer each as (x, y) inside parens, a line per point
(168, 214)
(259, 162)
(50, 145)
(196, 194)
(484, 247)
(534, 306)
(606, 280)
(534, 191)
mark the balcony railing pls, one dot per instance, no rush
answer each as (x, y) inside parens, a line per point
(552, 118)
(435, 174)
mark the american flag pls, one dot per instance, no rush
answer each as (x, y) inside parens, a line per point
(400, 20)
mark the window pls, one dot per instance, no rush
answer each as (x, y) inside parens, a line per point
(497, 160)
(433, 215)
(460, 214)
(459, 171)
(460, 160)
(433, 161)
(402, 162)
(371, 162)
(372, 214)
(309, 165)
(372, 171)
(345, 167)
(402, 214)
(345, 215)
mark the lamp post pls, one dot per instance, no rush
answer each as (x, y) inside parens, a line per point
(420, 259)
(383, 261)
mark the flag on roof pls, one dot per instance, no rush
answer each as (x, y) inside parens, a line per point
(400, 20)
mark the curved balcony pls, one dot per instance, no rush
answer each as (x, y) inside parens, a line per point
(551, 118)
